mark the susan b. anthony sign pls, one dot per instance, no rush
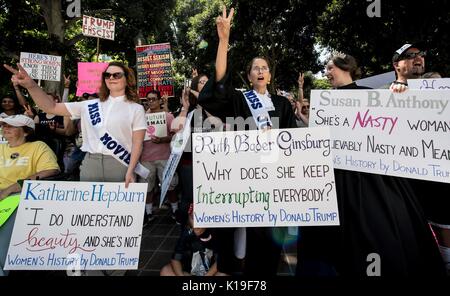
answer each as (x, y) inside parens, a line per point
(380, 132)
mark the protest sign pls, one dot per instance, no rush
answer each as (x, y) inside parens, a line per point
(380, 132)
(41, 66)
(90, 77)
(177, 145)
(434, 83)
(99, 28)
(264, 178)
(156, 125)
(77, 225)
(154, 69)
(7, 207)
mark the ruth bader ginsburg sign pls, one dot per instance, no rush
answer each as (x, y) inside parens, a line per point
(77, 226)
(264, 178)
(377, 131)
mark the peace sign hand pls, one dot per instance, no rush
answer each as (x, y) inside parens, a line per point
(20, 76)
(223, 24)
(301, 79)
(28, 111)
(66, 81)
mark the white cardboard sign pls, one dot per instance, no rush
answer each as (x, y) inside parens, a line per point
(77, 226)
(99, 28)
(434, 83)
(380, 132)
(264, 178)
(41, 66)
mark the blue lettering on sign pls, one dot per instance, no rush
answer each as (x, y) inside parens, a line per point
(94, 113)
(116, 148)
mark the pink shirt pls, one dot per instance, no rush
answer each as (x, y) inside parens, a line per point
(153, 151)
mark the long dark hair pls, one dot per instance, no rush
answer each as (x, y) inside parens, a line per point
(194, 86)
(130, 89)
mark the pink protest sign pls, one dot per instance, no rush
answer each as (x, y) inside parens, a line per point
(90, 77)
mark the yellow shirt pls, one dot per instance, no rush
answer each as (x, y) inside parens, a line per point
(23, 161)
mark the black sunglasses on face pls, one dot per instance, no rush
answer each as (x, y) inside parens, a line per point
(117, 75)
(413, 55)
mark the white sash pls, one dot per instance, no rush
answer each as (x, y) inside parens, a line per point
(115, 149)
(259, 109)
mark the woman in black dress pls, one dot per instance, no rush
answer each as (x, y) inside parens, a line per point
(380, 217)
(263, 110)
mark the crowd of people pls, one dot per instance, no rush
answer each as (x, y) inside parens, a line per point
(390, 216)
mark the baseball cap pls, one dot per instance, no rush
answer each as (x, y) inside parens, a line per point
(18, 121)
(402, 50)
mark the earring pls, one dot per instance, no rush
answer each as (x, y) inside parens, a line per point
(251, 84)
(268, 82)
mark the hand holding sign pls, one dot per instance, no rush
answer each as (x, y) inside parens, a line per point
(20, 77)
(397, 87)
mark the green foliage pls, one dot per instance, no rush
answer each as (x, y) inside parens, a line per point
(285, 31)
(345, 26)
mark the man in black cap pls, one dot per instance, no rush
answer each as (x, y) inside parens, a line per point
(409, 63)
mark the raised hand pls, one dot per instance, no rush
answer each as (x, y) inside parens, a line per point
(301, 79)
(223, 23)
(28, 111)
(20, 76)
(66, 81)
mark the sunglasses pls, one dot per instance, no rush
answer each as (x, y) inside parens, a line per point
(117, 75)
(413, 55)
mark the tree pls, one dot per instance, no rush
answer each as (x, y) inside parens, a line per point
(344, 25)
(23, 21)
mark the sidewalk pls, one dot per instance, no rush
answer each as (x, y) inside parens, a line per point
(159, 239)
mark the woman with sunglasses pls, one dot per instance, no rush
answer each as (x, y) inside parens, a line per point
(222, 100)
(113, 126)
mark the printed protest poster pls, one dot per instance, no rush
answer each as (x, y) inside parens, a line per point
(41, 66)
(380, 132)
(99, 28)
(154, 69)
(156, 125)
(434, 83)
(90, 77)
(77, 226)
(179, 142)
(273, 178)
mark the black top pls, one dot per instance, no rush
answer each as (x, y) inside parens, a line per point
(378, 214)
(222, 100)
(188, 244)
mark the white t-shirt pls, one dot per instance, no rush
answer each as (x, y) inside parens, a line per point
(120, 119)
